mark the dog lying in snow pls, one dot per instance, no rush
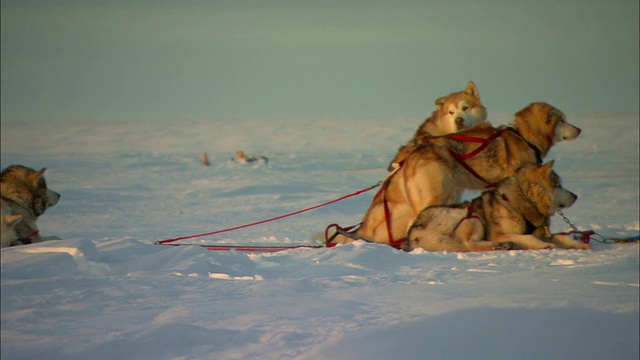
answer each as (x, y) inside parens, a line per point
(242, 158)
(515, 215)
(431, 175)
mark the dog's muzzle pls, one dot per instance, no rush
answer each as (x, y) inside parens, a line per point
(52, 197)
(572, 199)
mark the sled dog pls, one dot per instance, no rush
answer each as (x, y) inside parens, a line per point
(454, 112)
(514, 215)
(24, 191)
(8, 223)
(242, 158)
(431, 175)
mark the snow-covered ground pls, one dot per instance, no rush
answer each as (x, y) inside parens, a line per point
(106, 292)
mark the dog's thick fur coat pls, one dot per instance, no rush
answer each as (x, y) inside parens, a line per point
(24, 191)
(8, 222)
(515, 215)
(454, 112)
(431, 175)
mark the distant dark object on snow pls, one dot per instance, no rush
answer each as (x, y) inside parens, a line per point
(242, 158)
(205, 159)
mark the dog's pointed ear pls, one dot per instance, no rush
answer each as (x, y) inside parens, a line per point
(440, 101)
(35, 177)
(553, 113)
(12, 220)
(546, 168)
(472, 89)
(550, 115)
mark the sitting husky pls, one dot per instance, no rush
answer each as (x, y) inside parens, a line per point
(431, 175)
(515, 215)
(24, 192)
(455, 112)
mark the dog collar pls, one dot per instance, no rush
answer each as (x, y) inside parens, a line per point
(530, 227)
(535, 149)
(26, 240)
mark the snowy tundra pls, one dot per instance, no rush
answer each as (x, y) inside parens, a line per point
(105, 291)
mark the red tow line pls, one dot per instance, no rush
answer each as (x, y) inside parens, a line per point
(257, 248)
(349, 230)
(262, 248)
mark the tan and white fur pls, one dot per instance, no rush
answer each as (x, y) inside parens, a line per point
(8, 222)
(24, 191)
(455, 112)
(513, 216)
(431, 176)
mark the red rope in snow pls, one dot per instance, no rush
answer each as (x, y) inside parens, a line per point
(161, 242)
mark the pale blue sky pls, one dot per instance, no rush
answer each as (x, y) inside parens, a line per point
(100, 60)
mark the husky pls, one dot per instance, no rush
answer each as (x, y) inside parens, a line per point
(8, 223)
(24, 191)
(515, 215)
(433, 173)
(455, 112)
(242, 158)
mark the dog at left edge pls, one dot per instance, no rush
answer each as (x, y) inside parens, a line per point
(25, 197)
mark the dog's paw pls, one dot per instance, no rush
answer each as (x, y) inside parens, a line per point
(581, 246)
(567, 242)
(506, 246)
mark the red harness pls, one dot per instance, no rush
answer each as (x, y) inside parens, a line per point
(470, 215)
(387, 218)
(483, 144)
(460, 158)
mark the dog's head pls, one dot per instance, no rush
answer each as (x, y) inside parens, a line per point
(542, 189)
(543, 126)
(460, 110)
(28, 188)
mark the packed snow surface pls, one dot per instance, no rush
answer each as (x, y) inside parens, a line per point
(105, 291)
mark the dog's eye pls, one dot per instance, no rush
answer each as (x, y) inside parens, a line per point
(451, 112)
(465, 108)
